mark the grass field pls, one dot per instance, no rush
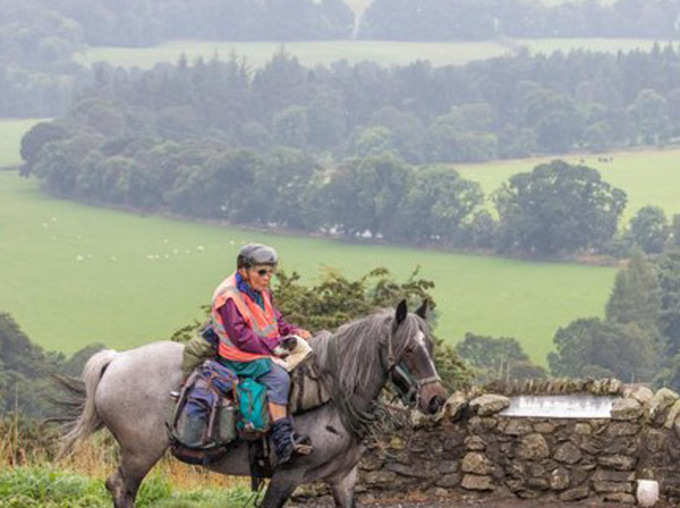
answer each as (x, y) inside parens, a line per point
(73, 274)
(325, 52)
(309, 53)
(648, 177)
(11, 132)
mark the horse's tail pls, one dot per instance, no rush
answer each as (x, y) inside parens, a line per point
(86, 420)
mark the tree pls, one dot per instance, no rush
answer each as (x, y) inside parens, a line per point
(438, 204)
(635, 296)
(37, 137)
(675, 228)
(557, 208)
(649, 114)
(367, 194)
(291, 128)
(496, 358)
(589, 346)
(649, 229)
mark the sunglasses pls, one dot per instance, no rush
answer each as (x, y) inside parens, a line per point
(265, 271)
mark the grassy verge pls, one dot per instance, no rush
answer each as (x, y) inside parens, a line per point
(47, 487)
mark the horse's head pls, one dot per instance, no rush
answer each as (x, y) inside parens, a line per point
(410, 360)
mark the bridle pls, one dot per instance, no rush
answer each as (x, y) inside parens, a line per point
(407, 386)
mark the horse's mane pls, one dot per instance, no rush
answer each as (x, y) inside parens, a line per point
(351, 355)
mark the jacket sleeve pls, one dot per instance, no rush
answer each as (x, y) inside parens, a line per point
(241, 335)
(285, 328)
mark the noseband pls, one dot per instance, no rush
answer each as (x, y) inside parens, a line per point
(408, 387)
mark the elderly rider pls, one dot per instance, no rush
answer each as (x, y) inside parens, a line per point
(251, 331)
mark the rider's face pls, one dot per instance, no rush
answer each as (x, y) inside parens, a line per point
(260, 276)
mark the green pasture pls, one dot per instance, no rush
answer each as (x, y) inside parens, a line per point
(325, 52)
(11, 132)
(309, 53)
(649, 177)
(73, 275)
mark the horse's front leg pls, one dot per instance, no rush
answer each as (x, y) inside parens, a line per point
(281, 487)
(343, 489)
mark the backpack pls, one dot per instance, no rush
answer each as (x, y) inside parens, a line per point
(253, 413)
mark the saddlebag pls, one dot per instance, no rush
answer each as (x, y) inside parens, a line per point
(203, 422)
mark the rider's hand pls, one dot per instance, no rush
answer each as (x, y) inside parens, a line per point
(305, 334)
(289, 343)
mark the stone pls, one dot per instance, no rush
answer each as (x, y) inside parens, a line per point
(620, 497)
(673, 413)
(447, 466)
(655, 409)
(489, 404)
(575, 494)
(626, 409)
(622, 446)
(396, 443)
(476, 463)
(545, 427)
(638, 392)
(591, 445)
(475, 443)
(618, 462)
(654, 440)
(583, 429)
(617, 429)
(448, 480)
(532, 447)
(409, 471)
(528, 494)
(601, 487)
(605, 475)
(439, 492)
(476, 482)
(559, 479)
(676, 427)
(454, 406)
(568, 453)
(536, 482)
(379, 478)
(517, 427)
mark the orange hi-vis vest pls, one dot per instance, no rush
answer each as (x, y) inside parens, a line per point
(262, 321)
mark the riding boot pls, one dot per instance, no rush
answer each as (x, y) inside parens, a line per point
(302, 444)
(282, 438)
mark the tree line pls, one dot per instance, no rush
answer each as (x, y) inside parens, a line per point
(444, 20)
(505, 107)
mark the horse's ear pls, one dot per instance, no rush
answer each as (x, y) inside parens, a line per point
(422, 310)
(402, 310)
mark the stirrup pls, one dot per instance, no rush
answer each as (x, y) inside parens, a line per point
(302, 445)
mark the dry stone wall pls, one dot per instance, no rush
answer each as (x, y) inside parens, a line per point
(473, 450)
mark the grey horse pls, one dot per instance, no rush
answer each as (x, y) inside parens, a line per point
(128, 393)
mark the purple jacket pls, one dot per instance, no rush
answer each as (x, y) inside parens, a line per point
(245, 338)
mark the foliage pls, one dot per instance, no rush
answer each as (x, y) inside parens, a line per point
(639, 340)
(25, 370)
(36, 486)
(557, 208)
(497, 358)
(649, 229)
(635, 296)
(589, 347)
